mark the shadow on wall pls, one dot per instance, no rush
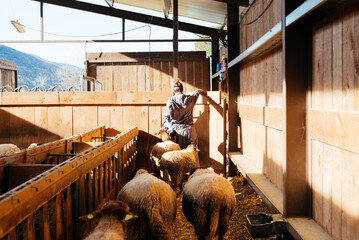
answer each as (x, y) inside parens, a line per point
(17, 130)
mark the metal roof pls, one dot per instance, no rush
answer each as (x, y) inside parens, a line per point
(205, 10)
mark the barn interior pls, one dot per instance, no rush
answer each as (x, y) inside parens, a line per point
(283, 113)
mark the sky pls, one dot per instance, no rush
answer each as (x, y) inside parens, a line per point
(73, 24)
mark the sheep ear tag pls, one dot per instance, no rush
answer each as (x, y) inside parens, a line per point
(129, 216)
(90, 216)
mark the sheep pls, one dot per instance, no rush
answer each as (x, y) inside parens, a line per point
(8, 148)
(160, 148)
(178, 163)
(208, 203)
(33, 145)
(111, 225)
(154, 202)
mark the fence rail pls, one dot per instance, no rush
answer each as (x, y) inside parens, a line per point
(48, 206)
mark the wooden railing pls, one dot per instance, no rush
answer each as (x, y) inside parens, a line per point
(49, 205)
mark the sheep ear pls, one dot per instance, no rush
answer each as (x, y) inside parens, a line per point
(91, 216)
(157, 133)
(129, 216)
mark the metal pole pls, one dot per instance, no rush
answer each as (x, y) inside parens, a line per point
(123, 29)
(175, 39)
(42, 19)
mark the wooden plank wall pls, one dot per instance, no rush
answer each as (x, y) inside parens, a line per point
(8, 74)
(251, 32)
(260, 102)
(44, 116)
(333, 124)
(148, 71)
(261, 110)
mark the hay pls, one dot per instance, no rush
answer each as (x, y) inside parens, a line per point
(248, 202)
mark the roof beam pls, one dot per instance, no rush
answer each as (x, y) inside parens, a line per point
(131, 16)
(242, 3)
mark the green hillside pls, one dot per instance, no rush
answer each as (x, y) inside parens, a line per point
(34, 71)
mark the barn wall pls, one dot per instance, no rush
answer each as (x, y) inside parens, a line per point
(148, 71)
(41, 117)
(333, 124)
(251, 29)
(261, 112)
(331, 114)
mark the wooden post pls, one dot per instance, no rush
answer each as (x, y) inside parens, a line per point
(224, 137)
(233, 76)
(215, 60)
(175, 39)
(295, 49)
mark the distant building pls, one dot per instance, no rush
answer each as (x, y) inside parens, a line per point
(8, 74)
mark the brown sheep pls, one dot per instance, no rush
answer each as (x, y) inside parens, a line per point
(154, 202)
(208, 203)
(177, 163)
(111, 225)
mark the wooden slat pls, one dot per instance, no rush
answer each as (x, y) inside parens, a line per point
(157, 76)
(327, 187)
(104, 115)
(154, 119)
(41, 123)
(141, 77)
(59, 225)
(338, 64)
(348, 62)
(132, 71)
(317, 181)
(317, 85)
(78, 98)
(335, 128)
(347, 196)
(356, 59)
(252, 112)
(190, 76)
(336, 174)
(79, 116)
(29, 98)
(143, 98)
(68, 214)
(327, 66)
(273, 117)
(30, 227)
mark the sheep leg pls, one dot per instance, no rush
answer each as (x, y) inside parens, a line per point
(159, 228)
(165, 175)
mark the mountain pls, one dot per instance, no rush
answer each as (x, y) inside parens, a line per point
(34, 71)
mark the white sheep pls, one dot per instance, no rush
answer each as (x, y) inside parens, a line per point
(160, 148)
(154, 202)
(111, 225)
(177, 163)
(33, 145)
(8, 148)
(208, 203)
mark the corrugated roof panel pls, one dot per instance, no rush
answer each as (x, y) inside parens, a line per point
(205, 10)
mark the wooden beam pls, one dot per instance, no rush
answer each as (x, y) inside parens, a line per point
(215, 60)
(242, 3)
(296, 50)
(134, 16)
(233, 76)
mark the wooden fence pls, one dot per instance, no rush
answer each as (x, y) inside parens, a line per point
(48, 206)
(45, 116)
(148, 71)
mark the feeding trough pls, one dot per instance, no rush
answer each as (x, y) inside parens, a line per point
(266, 225)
